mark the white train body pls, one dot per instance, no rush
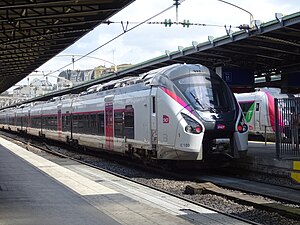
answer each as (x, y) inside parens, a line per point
(259, 110)
(179, 112)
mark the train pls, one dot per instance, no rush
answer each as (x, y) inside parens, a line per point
(259, 111)
(181, 112)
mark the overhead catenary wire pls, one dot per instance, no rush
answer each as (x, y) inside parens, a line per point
(116, 37)
(169, 23)
(185, 23)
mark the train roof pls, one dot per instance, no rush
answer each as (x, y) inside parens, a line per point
(149, 78)
(260, 93)
(269, 89)
(172, 72)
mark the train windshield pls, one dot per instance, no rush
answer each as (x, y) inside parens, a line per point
(206, 93)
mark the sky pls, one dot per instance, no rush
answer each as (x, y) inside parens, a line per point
(152, 40)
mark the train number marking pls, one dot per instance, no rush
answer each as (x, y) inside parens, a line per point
(184, 145)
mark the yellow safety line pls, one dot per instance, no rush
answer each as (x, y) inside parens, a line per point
(296, 165)
(295, 176)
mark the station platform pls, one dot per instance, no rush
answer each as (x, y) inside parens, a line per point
(35, 190)
(261, 157)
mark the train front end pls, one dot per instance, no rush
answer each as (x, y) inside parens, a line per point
(210, 123)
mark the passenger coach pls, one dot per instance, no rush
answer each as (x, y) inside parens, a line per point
(179, 112)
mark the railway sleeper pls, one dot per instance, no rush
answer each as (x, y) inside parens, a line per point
(269, 205)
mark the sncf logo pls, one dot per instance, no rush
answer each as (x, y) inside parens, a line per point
(166, 119)
(221, 126)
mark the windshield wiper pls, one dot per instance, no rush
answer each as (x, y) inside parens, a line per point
(208, 107)
(197, 100)
(211, 109)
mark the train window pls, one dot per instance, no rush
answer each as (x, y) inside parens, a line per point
(54, 123)
(36, 122)
(75, 123)
(118, 124)
(101, 123)
(206, 93)
(247, 107)
(63, 123)
(257, 107)
(43, 122)
(47, 122)
(66, 122)
(25, 123)
(87, 124)
(80, 123)
(32, 122)
(84, 127)
(17, 121)
(129, 124)
(11, 120)
(93, 123)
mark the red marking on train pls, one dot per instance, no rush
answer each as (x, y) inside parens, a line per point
(166, 119)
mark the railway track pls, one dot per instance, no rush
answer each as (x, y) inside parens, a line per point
(185, 187)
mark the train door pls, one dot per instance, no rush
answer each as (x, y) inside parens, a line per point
(154, 138)
(109, 129)
(257, 115)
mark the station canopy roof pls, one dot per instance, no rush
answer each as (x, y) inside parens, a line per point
(265, 48)
(34, 31)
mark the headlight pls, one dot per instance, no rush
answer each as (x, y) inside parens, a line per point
(193, 126)
(242, 126)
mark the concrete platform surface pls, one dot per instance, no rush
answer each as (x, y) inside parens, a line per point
(34, 190)
(28, 196)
